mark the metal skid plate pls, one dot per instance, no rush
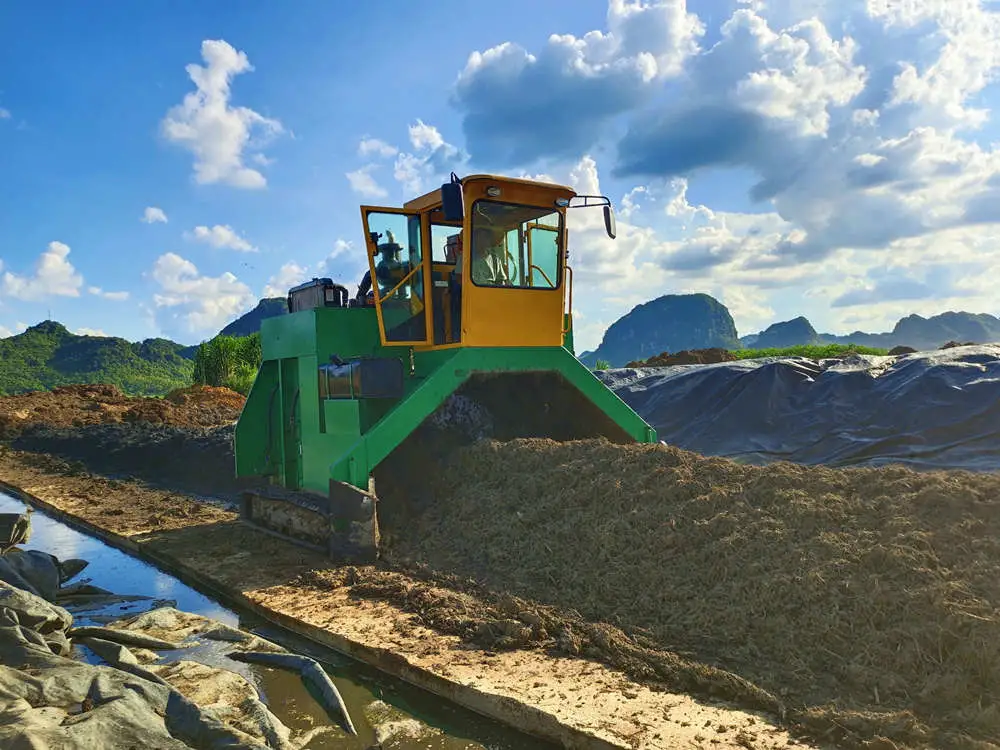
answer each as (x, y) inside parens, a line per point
(343, 525)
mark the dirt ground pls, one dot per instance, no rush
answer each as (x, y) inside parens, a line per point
(437, 632)
(77, 405)
(857, 606)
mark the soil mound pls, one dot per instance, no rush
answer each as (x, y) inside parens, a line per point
(197, 460)
(686, 357)
(863, 598)
(90, 404)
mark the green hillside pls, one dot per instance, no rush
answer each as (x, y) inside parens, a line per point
(48, 355)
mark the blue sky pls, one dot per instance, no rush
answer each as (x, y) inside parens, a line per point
(827, 159)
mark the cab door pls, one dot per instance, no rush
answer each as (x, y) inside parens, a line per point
(400, 273)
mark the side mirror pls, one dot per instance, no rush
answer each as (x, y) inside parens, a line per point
(609, 222)
(452, 203)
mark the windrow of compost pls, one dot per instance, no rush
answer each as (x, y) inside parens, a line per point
(864, 599)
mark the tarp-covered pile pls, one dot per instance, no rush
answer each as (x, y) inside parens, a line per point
(938, 409)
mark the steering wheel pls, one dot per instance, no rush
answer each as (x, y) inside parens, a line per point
(510, 259)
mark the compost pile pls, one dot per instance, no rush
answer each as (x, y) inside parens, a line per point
(88, 404)
(862, 598)
(686, 357)
(196, 460)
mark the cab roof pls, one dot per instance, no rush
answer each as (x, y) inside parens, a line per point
(433, 198)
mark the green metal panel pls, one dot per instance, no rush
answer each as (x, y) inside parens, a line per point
(377, 443)
(256, 426)
(291, 409)
(312, 441)
(288, 336)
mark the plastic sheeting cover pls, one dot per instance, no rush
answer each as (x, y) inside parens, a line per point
(929, 410)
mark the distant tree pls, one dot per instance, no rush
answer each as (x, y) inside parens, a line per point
(228, 361)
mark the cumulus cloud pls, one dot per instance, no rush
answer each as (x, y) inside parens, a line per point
(518, 106)
(431, 160)
(376, 147)
(54, 276)
(344, 265)
(427, 163)
(84, 331)
(188, 302)
(222, 237)
(219, 135)
(114, 296)
(364, 184)
(289, 275)
(19, 327)
(152, 214)
(821, 123)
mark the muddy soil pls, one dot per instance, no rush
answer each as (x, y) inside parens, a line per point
(78, 405)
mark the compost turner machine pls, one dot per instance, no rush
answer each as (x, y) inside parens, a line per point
(462, 322)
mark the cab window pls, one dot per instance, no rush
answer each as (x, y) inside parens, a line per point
(443, 239)
(515, 246)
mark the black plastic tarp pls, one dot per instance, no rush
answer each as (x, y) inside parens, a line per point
(929, 410)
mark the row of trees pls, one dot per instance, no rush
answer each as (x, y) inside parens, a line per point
(228, 361)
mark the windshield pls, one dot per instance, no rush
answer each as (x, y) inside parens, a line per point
(515, 246)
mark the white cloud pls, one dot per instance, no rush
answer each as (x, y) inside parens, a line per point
(425, 137)
(188, 302)
(4, 115)
(520, 106)
(217, 134)
(90, 332)
(364, 184)
(221, 236)
(289, 275)
(431, 160)
(114, 296)
(376, 147)
(54, 276)
(938, 90)
(802, 72)
(153, 214)
(344, 265)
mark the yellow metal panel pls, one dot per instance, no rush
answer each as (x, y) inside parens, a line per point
(515, 191)
(511, 317)
(515, 182)
(424, 202)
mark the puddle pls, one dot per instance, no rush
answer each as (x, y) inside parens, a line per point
(453, 727)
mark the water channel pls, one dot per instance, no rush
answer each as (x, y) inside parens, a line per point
(451, 727)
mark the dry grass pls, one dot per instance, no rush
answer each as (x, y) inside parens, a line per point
(864, 598)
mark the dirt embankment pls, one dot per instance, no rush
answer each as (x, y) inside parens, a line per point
(184, 440)
(78, 405)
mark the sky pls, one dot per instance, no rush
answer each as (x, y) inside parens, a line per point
(165, 165)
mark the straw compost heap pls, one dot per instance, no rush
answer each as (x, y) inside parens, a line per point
(862, 598)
